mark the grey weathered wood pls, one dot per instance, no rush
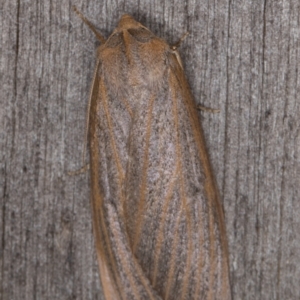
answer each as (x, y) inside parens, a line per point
(241, 57)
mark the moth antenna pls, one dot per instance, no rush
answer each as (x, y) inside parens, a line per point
(177, 44)
(88, 113)
(86, 131)
(90, 25)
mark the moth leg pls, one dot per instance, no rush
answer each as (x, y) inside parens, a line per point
(177, 44)
(208, 109)
(79, 171)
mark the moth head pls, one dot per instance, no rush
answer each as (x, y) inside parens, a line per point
(127, 21)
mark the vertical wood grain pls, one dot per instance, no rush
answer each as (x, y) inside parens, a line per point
(241, 57)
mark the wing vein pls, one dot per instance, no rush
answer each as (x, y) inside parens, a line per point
(143, 185)
(162, 219)
(174, 87)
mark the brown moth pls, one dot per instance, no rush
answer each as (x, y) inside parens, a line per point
(157, 218)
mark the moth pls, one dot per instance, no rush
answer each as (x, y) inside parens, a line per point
(157, 218)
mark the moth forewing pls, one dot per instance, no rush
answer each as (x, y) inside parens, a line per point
(157, 218)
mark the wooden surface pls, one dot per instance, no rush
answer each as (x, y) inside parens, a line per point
(242, 57)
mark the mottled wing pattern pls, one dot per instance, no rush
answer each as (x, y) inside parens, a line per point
(158, 222)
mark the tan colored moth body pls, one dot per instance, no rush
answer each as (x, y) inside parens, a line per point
(157, 219)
